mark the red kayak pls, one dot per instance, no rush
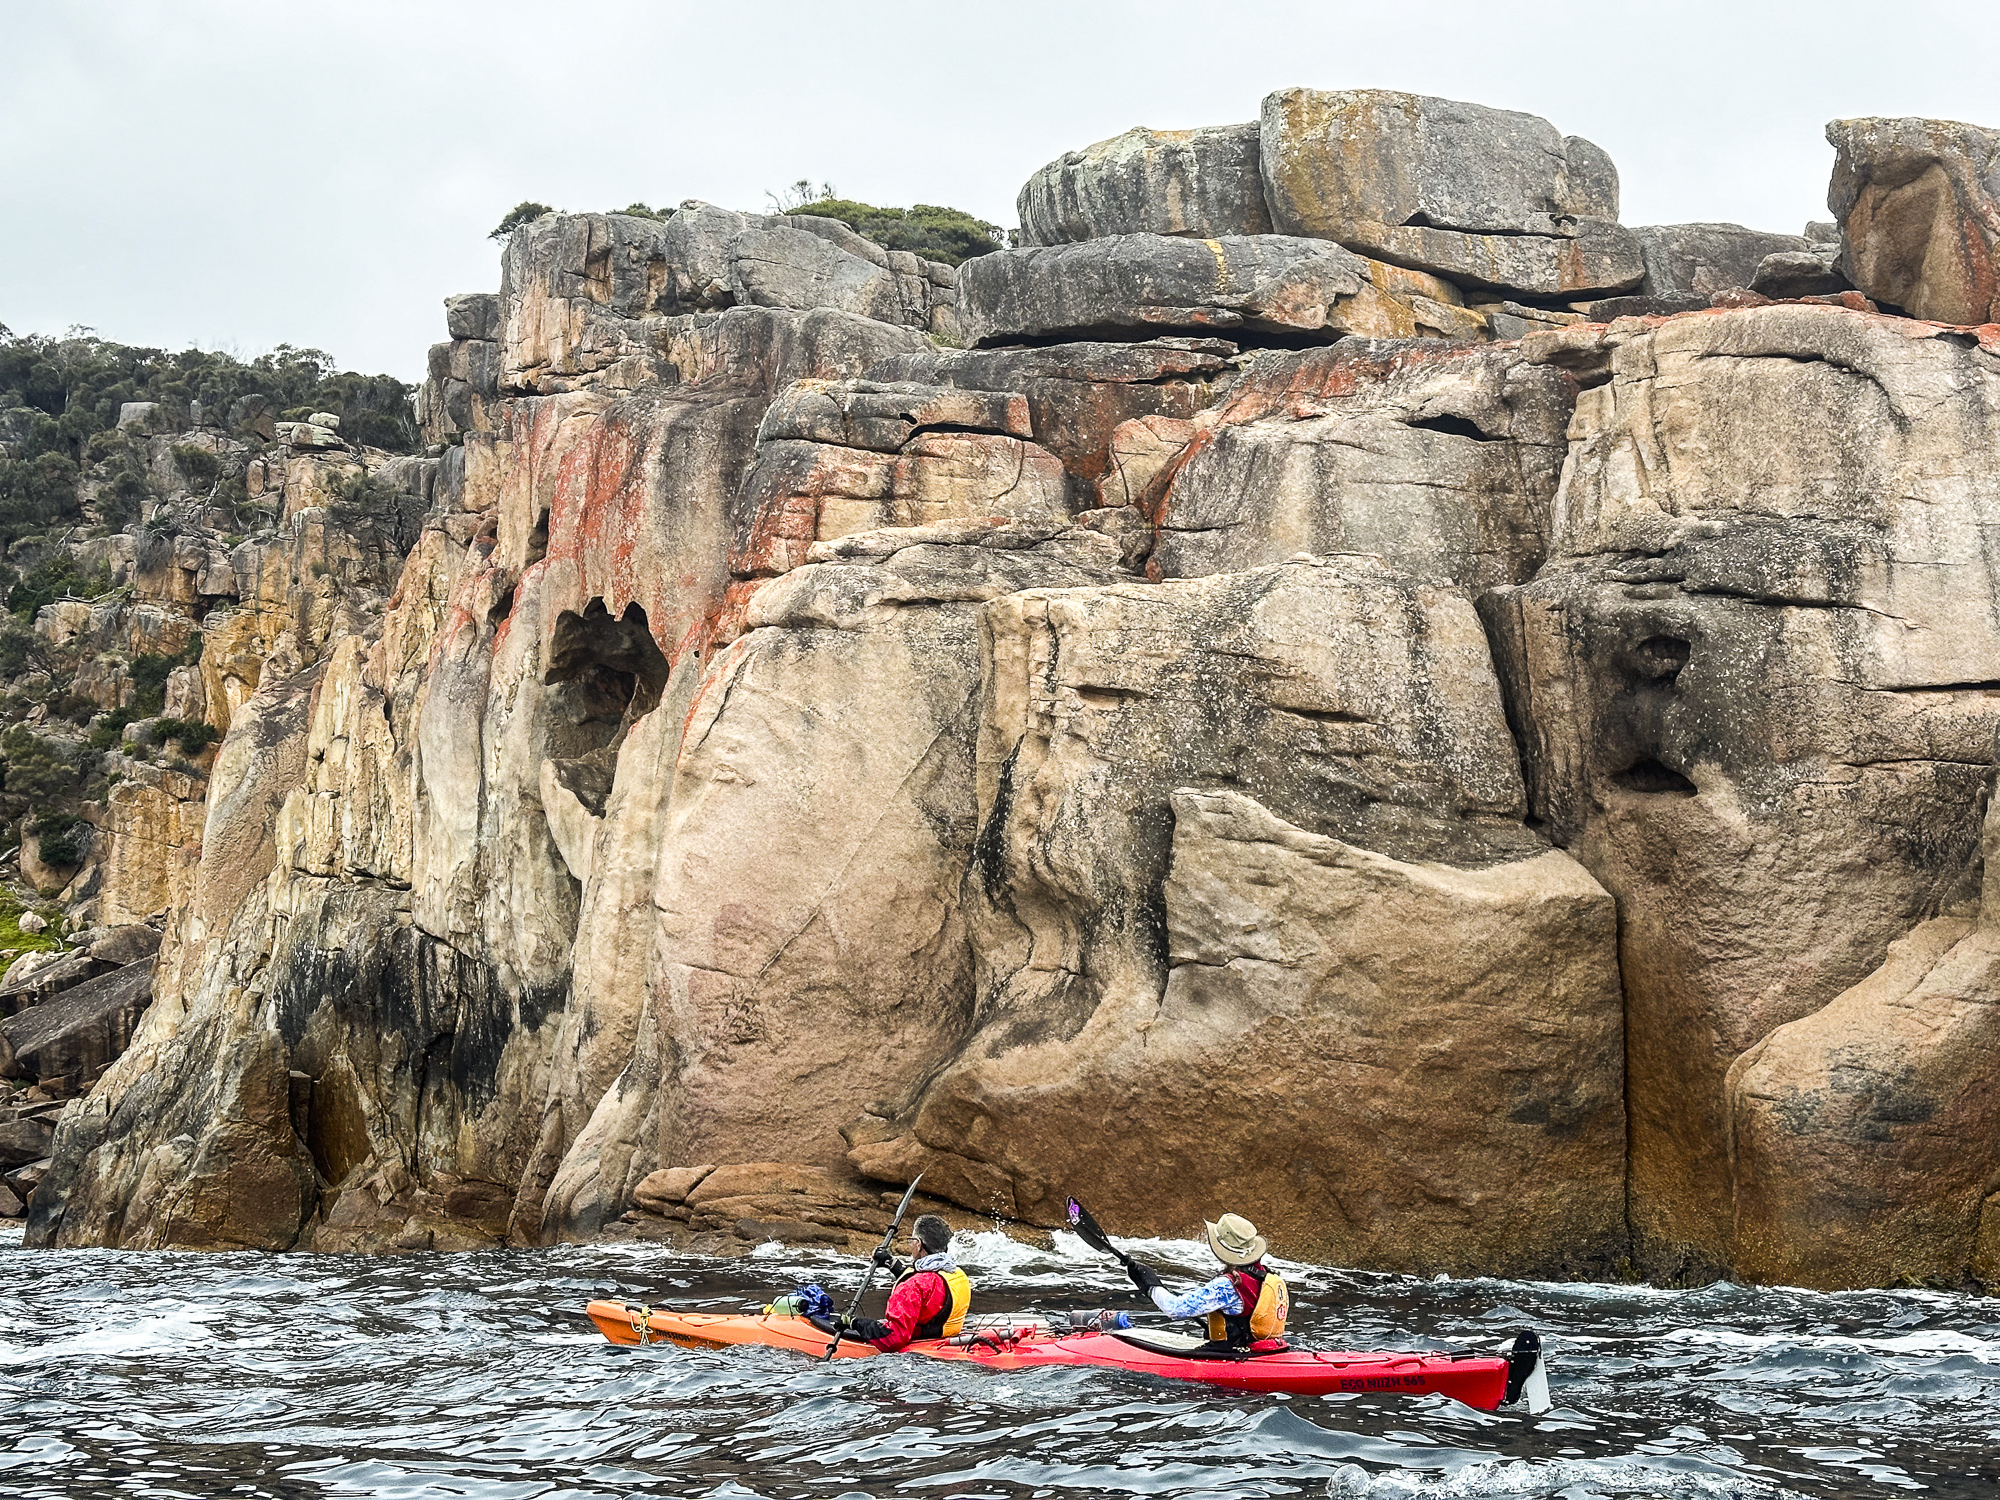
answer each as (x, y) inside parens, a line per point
(1483, 1380)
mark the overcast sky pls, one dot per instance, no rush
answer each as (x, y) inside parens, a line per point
(237, 175)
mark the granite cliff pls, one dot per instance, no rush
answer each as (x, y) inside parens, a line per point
(1332, 677)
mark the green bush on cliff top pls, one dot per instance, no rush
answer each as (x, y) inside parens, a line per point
(950, 235)
(524, 212)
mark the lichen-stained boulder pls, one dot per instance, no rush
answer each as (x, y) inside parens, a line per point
(1918, 202)
(1755, 686)
(811, 956)
(1138, 743)
(579, 296)
(1245, 286)
(636, 502)
(1206, 183)
(1703, 259)
(801, 261)
(1441, 459)
(838, 457)
(1486, 197)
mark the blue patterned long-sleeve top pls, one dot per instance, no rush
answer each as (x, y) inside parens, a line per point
(1211, 1296)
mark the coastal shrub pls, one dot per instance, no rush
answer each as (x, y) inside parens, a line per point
(364, 505)
(35, 493)
(125, 495)
(149, 675)
(192, 735)
(77, 383)
(22, 650)
(640, 211)
(61, 838)
(944, 234)
(524, 212)
(794, 197)
(56, 577)
(108, 730)
(200, 467)
(36, 770)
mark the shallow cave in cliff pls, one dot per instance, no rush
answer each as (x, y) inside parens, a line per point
(615, 660)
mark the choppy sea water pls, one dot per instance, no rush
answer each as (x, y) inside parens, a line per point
(473, 1375)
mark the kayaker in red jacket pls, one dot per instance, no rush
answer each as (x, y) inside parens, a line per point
(931, 1293)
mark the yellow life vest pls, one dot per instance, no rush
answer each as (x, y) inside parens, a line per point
(1266, 1301)
(951, 1317)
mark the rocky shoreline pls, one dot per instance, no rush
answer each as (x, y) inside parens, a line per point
(1330, 677)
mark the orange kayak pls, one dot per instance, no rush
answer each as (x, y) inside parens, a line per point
(1482, 1381)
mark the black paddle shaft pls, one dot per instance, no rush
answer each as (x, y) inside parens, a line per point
(1091, 1234)
(888, 1243)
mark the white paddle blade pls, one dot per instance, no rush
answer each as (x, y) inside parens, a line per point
(1535, 1390)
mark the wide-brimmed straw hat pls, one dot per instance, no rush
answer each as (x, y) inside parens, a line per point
(1235, 1241)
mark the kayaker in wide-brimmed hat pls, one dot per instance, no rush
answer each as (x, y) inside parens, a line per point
(1246, 1305)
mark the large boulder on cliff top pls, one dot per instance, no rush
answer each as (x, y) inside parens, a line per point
(1918, 203)
(1486, 197)
(1206, 183)
(1755, 688)
(1702, 259)
(584, 295)
(1144, 285)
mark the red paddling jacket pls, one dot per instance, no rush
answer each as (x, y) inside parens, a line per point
(929, 1302)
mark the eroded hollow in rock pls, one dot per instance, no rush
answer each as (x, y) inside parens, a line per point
(1639, 720)
(1659, 658)
(603, 673)
(1649, 775)
(1456, 426)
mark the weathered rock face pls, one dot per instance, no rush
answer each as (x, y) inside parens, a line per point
(1755, 686)
(1471, 806)
(1483, 196)
(1204, 183)
(588, 296)
(1361, 734)
(1443, 461)
(1918, 202)
(1142, 285)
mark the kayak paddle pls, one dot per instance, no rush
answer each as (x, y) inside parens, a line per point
(1088, 1231)
(888, 1243)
